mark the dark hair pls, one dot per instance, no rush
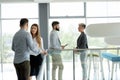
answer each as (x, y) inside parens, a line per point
(54, 23)
(83, 25)
(23, 21)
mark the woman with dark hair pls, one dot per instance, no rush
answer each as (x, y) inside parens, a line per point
(36, 61)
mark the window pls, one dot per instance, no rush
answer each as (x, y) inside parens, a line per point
(68, 26)
(67, 9)
(11, 27)
(96, 9)
(10, 17)
(111, 20)
(68, 35)
(113, 9)
(26, 10)
(96, 20)
(103, 9)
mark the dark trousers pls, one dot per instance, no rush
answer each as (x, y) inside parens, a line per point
(23, 70)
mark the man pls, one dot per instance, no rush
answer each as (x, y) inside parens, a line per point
(56, 47)
(22, 44)
(82, 44)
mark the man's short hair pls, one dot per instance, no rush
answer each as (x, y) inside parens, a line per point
(54, 23)
(23, 21)
(83, 25)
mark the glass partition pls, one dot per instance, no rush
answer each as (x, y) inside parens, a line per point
(67, 60)
(97, 66)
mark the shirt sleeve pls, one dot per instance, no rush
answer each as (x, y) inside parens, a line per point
(31, 45)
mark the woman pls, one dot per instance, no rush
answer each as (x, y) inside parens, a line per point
(36, 61)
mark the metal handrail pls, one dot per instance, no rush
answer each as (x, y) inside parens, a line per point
(88, 49)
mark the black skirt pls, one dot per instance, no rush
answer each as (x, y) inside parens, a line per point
(35, 63)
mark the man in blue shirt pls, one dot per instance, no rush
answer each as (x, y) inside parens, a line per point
(56, 47)
(22, 44)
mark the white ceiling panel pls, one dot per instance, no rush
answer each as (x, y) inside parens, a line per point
(43, 1)
(15, 1)
(48, 1)
(82, 0)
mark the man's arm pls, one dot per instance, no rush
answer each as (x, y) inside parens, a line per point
(31, 45)
(13, 45)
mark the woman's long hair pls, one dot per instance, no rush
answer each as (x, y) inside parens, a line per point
(37, 35)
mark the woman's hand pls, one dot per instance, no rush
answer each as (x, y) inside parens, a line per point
(44, 52)
(63, 46)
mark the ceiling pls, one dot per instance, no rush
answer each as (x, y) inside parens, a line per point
(48, 1)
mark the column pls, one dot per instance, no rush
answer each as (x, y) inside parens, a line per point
(43, 22)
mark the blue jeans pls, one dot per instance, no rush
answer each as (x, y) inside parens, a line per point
(83, 59)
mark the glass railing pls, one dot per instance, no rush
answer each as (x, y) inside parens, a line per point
(97, 67)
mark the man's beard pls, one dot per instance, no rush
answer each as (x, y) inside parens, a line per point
(57, 29)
